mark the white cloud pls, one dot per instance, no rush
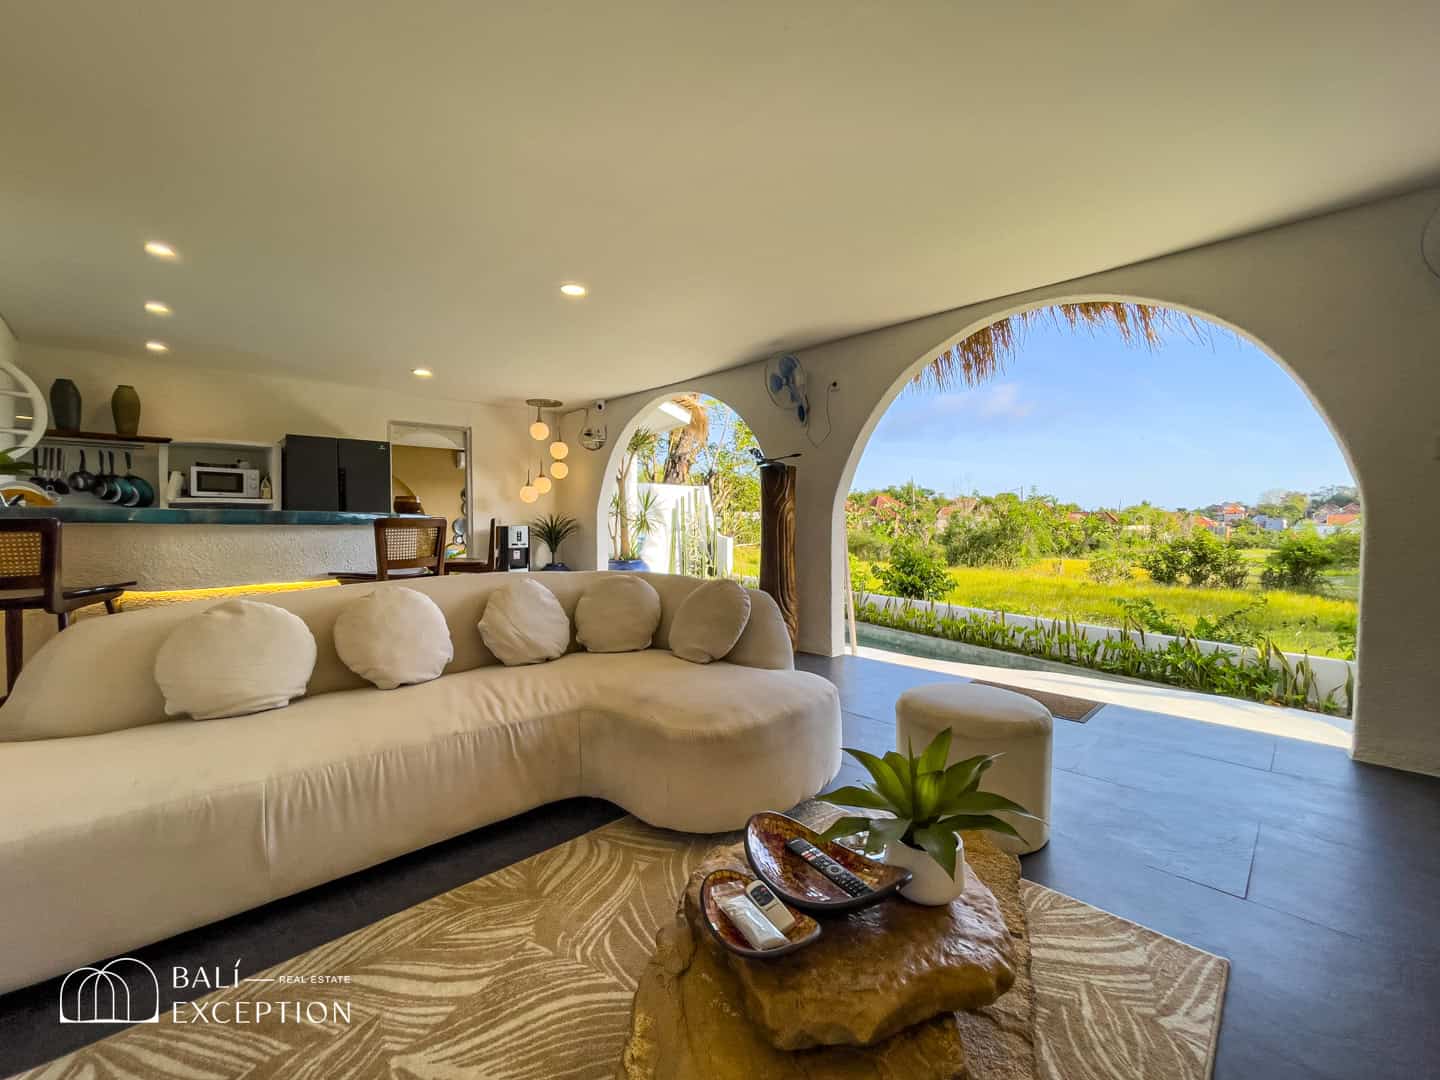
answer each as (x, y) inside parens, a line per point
(999, 400)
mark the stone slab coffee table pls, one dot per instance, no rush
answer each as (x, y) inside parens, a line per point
(894, 991)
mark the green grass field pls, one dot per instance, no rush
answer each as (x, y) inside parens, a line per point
(1055, 588)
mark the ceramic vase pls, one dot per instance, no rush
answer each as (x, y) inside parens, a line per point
(125, 408)
(65, 405)
(931, 885)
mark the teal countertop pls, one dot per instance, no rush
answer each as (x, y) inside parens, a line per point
(154, 515)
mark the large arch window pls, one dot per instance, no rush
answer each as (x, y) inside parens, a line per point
(1040, 474)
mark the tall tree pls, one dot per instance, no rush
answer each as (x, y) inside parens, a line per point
(687, 443)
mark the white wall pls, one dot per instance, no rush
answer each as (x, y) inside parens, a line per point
(186, 401)
(9, 354)
(1344, 301)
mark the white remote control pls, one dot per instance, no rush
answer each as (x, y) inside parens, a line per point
(778, 914)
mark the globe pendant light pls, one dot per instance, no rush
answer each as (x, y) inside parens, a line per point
(559, 450)
(528, 494)
(542, 482)
(559, 470)
(539, 430)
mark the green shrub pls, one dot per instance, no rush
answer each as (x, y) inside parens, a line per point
(914, 573)
(1109, 566)
(1198, 560)
(1298, 563)
(868, 544)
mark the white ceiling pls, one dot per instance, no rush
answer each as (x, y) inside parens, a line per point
(359, 187)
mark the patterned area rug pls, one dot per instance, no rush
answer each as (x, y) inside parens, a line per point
(528, 974)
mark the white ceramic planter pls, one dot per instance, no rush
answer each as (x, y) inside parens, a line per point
(931, 885)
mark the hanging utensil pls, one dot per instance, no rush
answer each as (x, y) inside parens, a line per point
(81, 480)
(136, 495)
(61, 487)
(119, 482)
(111, 483)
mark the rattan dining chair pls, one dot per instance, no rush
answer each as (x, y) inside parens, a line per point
(413, 546)
(30, 580)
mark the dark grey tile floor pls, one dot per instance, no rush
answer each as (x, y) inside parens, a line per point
(1318, 878)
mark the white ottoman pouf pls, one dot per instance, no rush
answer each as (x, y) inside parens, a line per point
(988, 720)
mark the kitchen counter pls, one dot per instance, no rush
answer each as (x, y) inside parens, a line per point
(190, 515)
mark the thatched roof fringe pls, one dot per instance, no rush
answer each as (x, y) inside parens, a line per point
(986, 352)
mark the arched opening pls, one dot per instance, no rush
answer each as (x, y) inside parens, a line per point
(1110, 558)
(681, 491)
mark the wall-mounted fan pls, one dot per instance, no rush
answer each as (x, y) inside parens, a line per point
(785, 381)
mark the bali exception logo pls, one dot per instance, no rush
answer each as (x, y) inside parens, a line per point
(124, 991)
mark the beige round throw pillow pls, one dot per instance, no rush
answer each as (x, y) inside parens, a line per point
(237, 657)
(525, 624)
(710, 621)
(619, 613)
(393, 637)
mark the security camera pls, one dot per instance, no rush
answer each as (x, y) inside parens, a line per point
(599, 406)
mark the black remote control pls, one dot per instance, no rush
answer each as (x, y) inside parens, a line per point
(852, 885)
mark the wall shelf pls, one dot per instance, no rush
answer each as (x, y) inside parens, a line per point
(57, 435)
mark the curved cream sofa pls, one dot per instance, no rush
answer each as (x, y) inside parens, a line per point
(112, 840)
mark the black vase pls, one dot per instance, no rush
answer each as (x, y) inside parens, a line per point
(65, 405)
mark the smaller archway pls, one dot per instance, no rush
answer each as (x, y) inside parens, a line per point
(681, 491)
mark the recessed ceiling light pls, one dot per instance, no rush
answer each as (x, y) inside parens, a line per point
(157, 346)
(573, 288)
(155, 307)
(421, 372)
(160, 250)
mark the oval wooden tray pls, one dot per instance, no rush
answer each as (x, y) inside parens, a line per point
(802, 933)
(791, 877)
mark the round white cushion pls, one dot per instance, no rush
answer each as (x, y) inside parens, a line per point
(710, 621)
(619, 613)
(525, 624)
(988, 720)
(394, 636)
(238, 657)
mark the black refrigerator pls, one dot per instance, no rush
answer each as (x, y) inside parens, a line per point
(323, 473)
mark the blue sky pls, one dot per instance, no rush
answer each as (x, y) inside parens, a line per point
(1090, 420)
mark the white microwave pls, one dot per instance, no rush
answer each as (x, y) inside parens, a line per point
(224, 482)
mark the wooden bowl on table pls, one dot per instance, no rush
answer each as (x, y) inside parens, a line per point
(798, 884)
(801, 933)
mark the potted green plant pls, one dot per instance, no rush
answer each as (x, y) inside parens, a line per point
(630, 526)
(552, 530)
(929, 803)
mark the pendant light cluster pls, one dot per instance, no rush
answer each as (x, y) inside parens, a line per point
(535, 486)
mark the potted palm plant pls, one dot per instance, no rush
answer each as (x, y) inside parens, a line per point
(928, 804)
(552, 530)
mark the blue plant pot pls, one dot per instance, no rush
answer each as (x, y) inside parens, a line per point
(628, 564)
(555, 566)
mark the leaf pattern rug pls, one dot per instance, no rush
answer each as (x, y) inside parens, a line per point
(528, 973)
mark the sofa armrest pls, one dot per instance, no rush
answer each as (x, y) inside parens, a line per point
(765, 642)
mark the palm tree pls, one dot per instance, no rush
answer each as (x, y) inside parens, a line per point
(986, 352)
(642, 445)
(686, 443)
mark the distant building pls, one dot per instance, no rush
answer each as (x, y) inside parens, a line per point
(1232, 512)
(1271, 524)
(965, 507)
(1344, 518)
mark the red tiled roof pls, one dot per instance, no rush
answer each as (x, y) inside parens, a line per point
(1341, 519)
